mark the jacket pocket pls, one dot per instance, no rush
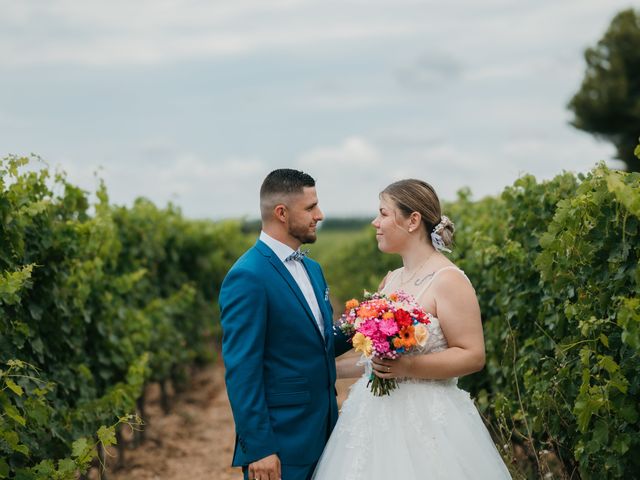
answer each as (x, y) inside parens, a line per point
(288, 391)
(281, 399)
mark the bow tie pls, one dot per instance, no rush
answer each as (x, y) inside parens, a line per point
(297, 256)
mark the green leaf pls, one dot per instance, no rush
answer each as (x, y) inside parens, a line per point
(625, 194)
(45, 469)
(621, 444)
(14, 414)
(107, 436)
(604, 339)
(4, 468)
(629, 413)
(23, 449)
(608, 363)
(66, 466)
(79, 447)
(17, 389)
(37, 411)
(601, 433)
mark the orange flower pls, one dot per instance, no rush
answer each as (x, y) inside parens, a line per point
(393, 297)
(406, 339)
(367, 311)
(388, 315)
(353, 303)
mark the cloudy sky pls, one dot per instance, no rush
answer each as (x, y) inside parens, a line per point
(195, 101)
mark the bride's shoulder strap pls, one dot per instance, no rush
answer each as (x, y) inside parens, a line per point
(388, 278)
(435, 274)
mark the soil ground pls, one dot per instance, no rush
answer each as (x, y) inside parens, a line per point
(194, 441)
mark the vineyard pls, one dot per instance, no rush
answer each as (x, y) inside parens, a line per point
(93, 307)
(99, 301)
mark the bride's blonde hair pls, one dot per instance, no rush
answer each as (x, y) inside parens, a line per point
(412, 195)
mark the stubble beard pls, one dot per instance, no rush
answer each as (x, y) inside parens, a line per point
(302, 234)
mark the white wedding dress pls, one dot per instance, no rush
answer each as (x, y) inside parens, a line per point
(425, 429)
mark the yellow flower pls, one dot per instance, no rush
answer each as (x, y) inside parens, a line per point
(362, 344)
(422, 334)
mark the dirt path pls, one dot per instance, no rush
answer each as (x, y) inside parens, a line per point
(194, 441)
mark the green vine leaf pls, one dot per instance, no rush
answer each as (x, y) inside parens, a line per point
(17, 389)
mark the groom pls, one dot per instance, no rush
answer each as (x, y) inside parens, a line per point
(278, 341)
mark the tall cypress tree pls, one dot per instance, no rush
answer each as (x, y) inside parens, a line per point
(608, 102)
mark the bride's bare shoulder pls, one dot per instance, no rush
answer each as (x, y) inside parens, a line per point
(452, 279)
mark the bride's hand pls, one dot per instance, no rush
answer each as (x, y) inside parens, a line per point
(388, 368)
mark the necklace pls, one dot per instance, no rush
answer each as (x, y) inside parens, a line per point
(403, 281)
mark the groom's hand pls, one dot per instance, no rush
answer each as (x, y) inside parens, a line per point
(267, 468)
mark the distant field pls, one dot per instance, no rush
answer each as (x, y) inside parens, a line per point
(329, 240)
(333, 240)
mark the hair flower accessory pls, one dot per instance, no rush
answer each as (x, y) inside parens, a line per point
(436, 238)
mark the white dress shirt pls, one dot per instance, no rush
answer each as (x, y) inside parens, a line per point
(299, 274)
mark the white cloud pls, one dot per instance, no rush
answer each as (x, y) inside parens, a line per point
(354, 152)
(345, 101)
(150, 32)
(430, 69)
(348, 176)
(202, 187)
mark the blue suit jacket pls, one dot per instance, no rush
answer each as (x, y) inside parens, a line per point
(280, 371)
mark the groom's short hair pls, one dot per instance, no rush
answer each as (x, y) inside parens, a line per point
(280, 184)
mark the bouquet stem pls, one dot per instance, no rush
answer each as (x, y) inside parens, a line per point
(381, 386)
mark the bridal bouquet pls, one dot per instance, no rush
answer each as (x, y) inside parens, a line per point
(385, 326)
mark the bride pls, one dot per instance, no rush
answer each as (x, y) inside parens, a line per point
(427, 428)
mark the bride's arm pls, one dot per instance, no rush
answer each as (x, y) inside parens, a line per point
(459, 315)
(346, 365)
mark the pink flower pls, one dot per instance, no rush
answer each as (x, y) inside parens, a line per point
(381, 347)
(378, 336)
(369, 328)
(388, 327)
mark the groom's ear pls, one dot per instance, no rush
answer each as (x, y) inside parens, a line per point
(280, 212)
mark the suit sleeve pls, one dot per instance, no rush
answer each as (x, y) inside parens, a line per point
(341, 343)
(243, 313)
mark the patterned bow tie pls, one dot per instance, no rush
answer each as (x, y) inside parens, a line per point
(297, 256)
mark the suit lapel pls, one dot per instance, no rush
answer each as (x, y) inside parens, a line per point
(327, 321)
(286, 275)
